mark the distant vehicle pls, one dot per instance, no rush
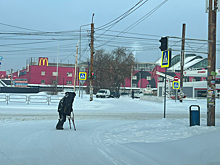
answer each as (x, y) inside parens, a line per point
(103, 93)
(137, 94)
(114, 95)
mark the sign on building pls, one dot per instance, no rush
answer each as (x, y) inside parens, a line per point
(21, 83)
(43, 61)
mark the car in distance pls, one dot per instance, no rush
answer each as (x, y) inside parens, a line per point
(114, 95)
(103, 93)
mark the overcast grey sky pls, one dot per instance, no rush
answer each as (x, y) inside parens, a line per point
(31, 28)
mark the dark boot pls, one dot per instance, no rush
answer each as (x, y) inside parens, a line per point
(59, 125)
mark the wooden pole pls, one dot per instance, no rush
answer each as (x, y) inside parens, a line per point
(91, 64)
(182, 61)
(211, 63)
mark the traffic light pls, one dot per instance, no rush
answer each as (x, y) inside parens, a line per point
(93, 75)
(164, 43)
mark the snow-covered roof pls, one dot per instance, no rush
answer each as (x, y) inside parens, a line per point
(188, 62)
(177, 65)
(191, 63)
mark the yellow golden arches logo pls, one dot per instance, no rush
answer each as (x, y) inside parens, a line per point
(43, 61)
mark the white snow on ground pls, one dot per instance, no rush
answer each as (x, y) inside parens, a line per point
(110, 131)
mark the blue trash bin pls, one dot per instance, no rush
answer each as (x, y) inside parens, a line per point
(194, 115)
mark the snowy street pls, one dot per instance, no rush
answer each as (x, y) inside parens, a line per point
(110, 131)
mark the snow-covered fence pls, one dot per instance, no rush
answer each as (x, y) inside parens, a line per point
(3, 98)
(38, 99)
(152, 98)
(54, 99)
(16, 98)
(29, 99)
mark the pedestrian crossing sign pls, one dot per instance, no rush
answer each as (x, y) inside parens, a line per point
(165, 59)
(176, 85)
(82, 75)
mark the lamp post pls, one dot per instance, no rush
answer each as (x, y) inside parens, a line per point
(80, 52)
(57, 68)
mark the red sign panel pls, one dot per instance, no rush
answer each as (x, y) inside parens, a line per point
(176, 78)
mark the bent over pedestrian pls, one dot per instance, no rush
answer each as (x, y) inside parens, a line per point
(65, 108)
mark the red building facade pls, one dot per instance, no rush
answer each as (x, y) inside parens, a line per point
(44, 73)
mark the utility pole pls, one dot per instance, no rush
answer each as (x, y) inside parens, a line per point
(91, 62)
(75, 68)
(182, 61)
(211, 62)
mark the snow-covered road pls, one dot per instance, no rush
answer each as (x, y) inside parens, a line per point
(98, 142)
(109, 131)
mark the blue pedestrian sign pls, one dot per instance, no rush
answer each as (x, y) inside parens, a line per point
(176, 85)
(165, 59)
(82, 75)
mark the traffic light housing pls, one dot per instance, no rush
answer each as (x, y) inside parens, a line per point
(164, 43)
(93, 75)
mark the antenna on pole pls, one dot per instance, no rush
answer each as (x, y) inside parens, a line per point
(207, 6)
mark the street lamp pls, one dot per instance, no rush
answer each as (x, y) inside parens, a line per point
(80, 51)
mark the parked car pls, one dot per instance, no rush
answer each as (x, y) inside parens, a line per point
(114, 95)
(103, 93)
(137, 94)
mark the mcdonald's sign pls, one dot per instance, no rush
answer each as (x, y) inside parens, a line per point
(43, 61)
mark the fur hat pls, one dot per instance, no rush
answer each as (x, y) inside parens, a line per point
(71, 94)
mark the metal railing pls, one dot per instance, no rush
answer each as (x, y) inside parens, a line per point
(29, 99)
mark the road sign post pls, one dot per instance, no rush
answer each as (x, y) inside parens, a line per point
(82, 75)
(165, 63)
(177, 83)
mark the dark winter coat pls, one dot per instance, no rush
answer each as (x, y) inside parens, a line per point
(66, 103)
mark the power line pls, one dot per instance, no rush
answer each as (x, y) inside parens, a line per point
(152, 11)
(123, 16)
(145, 16)
(17, 27)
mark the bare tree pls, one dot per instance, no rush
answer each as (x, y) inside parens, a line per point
(102, 65)
(122, 65)
(53, 82)
(111, 69)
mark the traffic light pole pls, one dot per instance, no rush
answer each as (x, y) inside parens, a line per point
(165, 93)
(164, 47)
(91, 64)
